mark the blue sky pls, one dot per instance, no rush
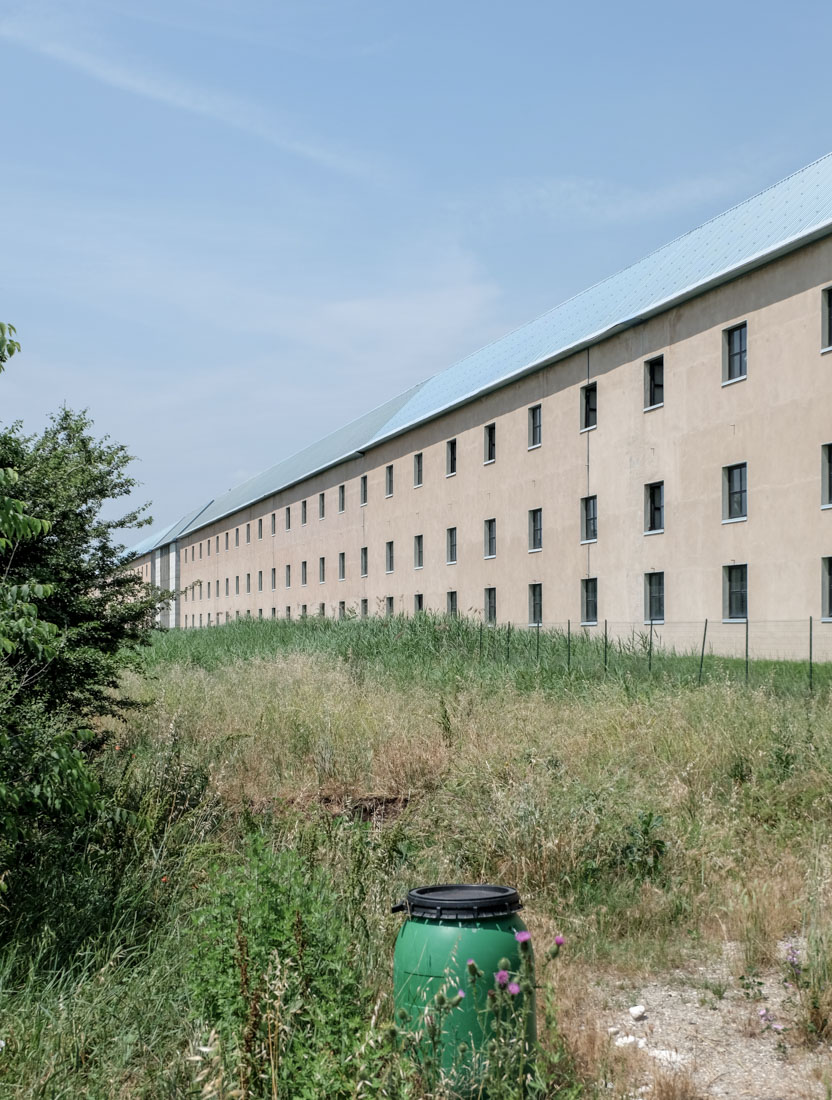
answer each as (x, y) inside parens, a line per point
(230, 227)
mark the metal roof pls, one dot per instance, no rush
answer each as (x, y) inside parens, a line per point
(787, 214)
(167, 534)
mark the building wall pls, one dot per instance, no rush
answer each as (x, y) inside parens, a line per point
(776, 420)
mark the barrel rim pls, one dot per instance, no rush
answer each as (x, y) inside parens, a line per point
(462, 901)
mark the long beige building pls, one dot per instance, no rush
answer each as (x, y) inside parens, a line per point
(658, 448)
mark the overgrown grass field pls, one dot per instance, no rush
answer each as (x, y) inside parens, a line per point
(225, 929)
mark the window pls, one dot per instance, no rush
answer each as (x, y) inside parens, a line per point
(450, 458)
(826, 321)
(226, 540)
(209, 590)
(259, 580)
(536, 529)
(654, 507)
(321, 570)
(734, 353)
(735, 592)
(274, 578)
(321, 505)
(417, 469)
(259, 612)
(589, 519)
(236, 586)
(734, 492)
(274, 528)
(342, 566)
(274, 612)
(364, 609)
(288, 577)
(535, 425)
(418, 603)
(248, 532)
(303, 572)
(589, 600)
(363, 561)
(589, 406)
(303, 513)
(303, 611)
(826, 589)
(654, 383)
(363, 489)
(826, 475)
(418, 551)
(388, 557)
(451, 604)
(287, 521)
(535, 604)
(388, 481)
(322, 610)
(490, 442)
(217, 545)
(208, 547)
(342, 609)
(490, 538)
(654, 597)
(450, 545)
(288, 611)
(259, 528)
(226, 586)
(200, 551)
(342, 497)
(236, 536)
(490, 605)
(248, 582)
(389, 607)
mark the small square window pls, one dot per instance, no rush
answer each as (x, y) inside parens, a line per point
(342, 497)
(490, 605)
(451, 604)
(363, 557)
(536, 529)
(450, 457)
(734, 353)
(450, 545)
(418, 552)
(417, 469)
(389, 607)
(287, 521)
(365, 607)
(826, 319)
(303, 513)
(248, 532)
(654, 597)
(490, 538)
(654, 383)
(418, 603)
(826, 475)
(388, 557)
(490, 442)
(654, 507)
(259, 528)
(589, 519)
(321, 505)
(535, 604)
(735, 592)
(321, 570)
(589, 406)
(363, 489)
(535, 425)
(342, 566)
(388, 481)
(734, 492)
(589, 601)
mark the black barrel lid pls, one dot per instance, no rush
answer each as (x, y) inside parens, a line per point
(456, 901)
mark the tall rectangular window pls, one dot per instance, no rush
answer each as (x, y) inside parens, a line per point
(209, 590)
(388, 480)
(342, 566)
(589, 600)
(237, 586)
(288, 517)
(734, 353)
(826, 320)
(259, 580)
(303, 513)
(654, 507)
(450, 457)
(322, 610)
(536, 529)
(226, 540)
(654, 383)
(417, 469)
(321, 570)
(654, 597)
(363, 561)
(303, 611)
(236, 536)
(208, 547)
(388, 557)
(535, 426)
(226, 586)
(288, 611)
(365, 608)
(450, 545)
(260, 528)
(217, 547)
(535, 604)
(826, 475)
(288, 577)
(248, 532)
(490, 538)
(490, 442)
(274, 578)
(418, 551)
(589, 519)
(826, 587)
(735, 592)
(490, 605)
(321, 505)
(451, 604)
(342, 497)
(200, 551)
(342, 609)
(363, 489)
(734, 492)
(303, 572)
(248, 582)
(389, 607)
(274, 524)
(589, 406)
(418, 603)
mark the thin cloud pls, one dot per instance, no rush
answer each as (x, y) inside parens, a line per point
(228, 110)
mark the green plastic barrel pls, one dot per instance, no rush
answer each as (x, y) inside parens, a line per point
(457, 939)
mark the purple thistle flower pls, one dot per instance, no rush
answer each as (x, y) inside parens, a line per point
(470, 963)
(560, 941)
(501, 977)
(522, 937)
(460, 993)
(513, 988)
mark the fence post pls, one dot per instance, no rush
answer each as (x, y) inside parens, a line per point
(650, 650)
(811, 683)
(606, 642)
(568, 644)
(746, 649)
(702, 654)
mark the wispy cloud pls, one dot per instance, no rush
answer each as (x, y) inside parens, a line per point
(42, 31)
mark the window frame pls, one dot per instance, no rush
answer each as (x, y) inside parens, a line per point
(363, 561)
(589, 408)
(535, 427)
(730, 356)
(287, 576)
(651, 583)
(589, 601)
(452, 603)
(651, 367)
(303, 513)
(342, 498)
(731, 575)
(826, 320)
(259, 529)
(730, 495)
(589, 519)
(536, 603)
(535, 530)
(321, 505)
(826, 475)
(388, 480)
(450, 457)
(389, 556)
(304, 574)
(362, 491)
(389, 606)
(451, 547)
(489, 538)
(418, 603)
(651, 509)
(489, 443)
(322, 569)
(342, 565)
(418, 470)
(418, 551)
(287, 518)
(826, 589)
(489, 605)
